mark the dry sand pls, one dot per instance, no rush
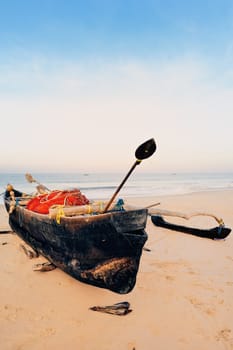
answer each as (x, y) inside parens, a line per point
(183, 298)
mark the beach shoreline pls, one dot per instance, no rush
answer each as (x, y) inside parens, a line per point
(182, 299)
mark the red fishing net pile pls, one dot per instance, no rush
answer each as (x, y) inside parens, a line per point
(43, 202)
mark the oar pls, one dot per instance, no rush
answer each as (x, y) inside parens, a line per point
(145, 150)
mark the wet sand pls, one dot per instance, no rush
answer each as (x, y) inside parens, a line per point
(182, 299)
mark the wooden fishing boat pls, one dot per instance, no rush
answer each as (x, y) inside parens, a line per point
(102, 248)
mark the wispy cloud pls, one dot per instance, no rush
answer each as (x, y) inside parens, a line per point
(82, 115)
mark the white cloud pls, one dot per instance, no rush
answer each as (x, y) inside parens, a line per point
(72, 116)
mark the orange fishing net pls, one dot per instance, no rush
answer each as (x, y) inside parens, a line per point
(42, 203)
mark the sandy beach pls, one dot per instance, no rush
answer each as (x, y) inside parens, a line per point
(182, 299)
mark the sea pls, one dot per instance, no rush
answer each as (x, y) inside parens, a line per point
(102, 185)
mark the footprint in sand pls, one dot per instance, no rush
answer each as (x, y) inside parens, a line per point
(47, 332)
(225, 335)
(209, 310)
(10, 312)
(229, 283)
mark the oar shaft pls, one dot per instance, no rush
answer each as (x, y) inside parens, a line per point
(121, 185)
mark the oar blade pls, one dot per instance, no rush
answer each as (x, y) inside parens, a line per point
(146, 149)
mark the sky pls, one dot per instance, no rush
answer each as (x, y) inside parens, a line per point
(84, 83)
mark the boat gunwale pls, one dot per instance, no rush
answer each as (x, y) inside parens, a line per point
(79, 217)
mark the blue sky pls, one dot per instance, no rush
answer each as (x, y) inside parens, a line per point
(83, 83)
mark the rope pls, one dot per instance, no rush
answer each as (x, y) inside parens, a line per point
(60, 214)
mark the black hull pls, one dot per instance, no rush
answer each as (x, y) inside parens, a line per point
(102, 250)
